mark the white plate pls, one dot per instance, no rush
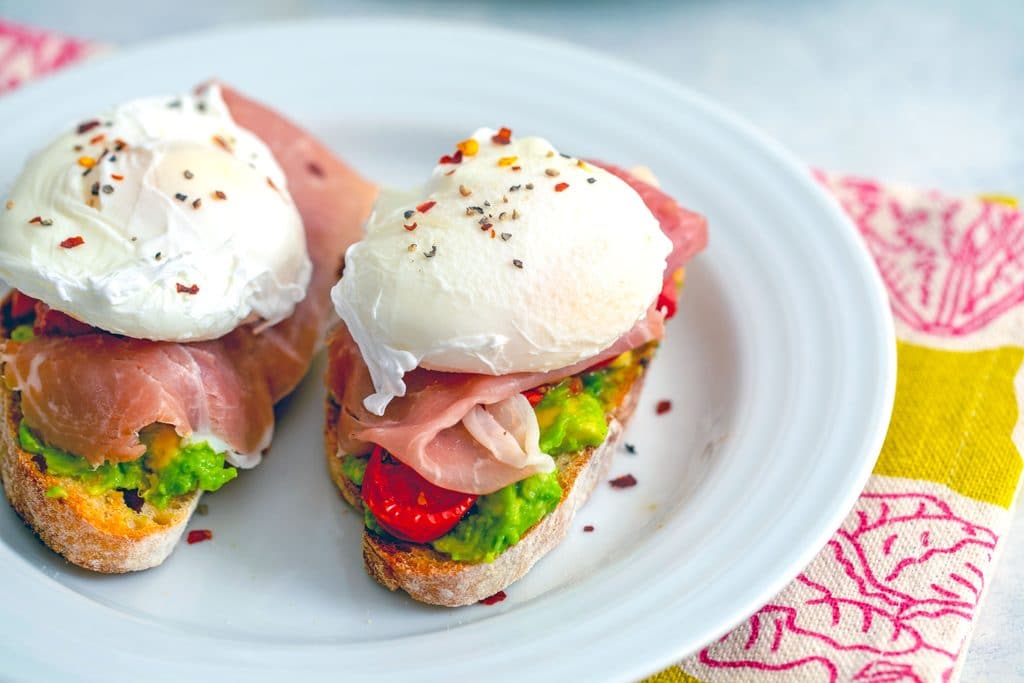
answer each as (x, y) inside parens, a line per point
(780, 368)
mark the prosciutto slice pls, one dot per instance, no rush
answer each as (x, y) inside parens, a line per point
(425, 428)
(90, 394)
(447, 425)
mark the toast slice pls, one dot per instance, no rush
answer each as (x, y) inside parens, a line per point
(98, 532)
(431, 577)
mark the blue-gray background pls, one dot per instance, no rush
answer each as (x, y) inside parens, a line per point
(927, 92)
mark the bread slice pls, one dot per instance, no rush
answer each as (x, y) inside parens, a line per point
(429, 576)
(97, 532)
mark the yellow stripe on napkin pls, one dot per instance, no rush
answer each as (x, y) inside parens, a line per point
(955, 402)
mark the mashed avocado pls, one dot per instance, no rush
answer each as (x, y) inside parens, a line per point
(354, 468)
(56, 492)
(570, 419)
(159, 475)
(22, 333)
(499, 519)
(196, 466)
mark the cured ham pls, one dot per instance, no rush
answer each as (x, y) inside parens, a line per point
(425, 430)
(437, 428)
(92, 393)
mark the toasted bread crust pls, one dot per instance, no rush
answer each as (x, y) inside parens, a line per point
(97, 532)
(430, 577)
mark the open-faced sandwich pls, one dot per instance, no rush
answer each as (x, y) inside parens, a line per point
(497, 326)
(170, 264)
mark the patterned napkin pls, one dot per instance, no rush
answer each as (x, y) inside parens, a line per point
(893, 596)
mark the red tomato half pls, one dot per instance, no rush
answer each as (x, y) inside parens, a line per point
(405, 504)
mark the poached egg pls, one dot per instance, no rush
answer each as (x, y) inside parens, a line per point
(510, 258)
(160, 219)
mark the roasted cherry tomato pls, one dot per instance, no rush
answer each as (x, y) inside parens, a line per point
(405, 504)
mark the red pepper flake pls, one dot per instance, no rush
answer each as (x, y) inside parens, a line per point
(451, 159)
(492, 234)
(588, 528)
(494, 599)
(72, 242)
(87, 126)
(410, 228)
(99, 138)
(534, 396)
(199, 535)
(182, 289)
(425, 206)
(119, 144)
(451, 172)
(503, 136)
(623, 482)
(270, 182)
(220, 194)
(36, 219)
(117, 176)
(663, 407)
(561, 187)
(517, 168)
(222, 143)
(315, 169)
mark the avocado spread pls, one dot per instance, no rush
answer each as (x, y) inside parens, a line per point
(572, 416)
(22, 333)
(167, 469)
(498, 520)
(354, 468)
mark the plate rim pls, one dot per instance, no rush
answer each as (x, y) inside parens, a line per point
(797, 170)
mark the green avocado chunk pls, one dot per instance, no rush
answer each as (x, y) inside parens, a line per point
(22, 333)
(570, 420)
(499, 519)
(196, 466)
(193, 466)
(354, 468)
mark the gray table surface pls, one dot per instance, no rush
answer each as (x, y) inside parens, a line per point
(926, 92)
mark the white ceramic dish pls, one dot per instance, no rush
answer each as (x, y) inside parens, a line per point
(780, 368)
